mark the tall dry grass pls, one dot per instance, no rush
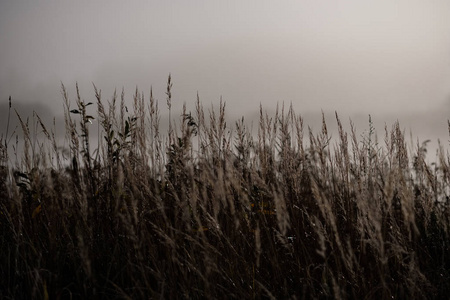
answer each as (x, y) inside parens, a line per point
(212, 211)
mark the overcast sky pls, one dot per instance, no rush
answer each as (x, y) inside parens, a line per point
(387, 58)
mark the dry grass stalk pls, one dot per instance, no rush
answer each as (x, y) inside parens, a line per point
(208, 210)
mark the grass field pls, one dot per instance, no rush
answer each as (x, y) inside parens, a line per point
(209, 210)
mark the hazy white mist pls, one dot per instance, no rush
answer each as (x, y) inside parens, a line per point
(390, 59)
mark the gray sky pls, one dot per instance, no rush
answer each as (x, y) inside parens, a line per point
(387, 58)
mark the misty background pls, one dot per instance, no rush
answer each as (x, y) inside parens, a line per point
(389, 59)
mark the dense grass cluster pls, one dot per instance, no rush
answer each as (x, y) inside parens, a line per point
(211, 211)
